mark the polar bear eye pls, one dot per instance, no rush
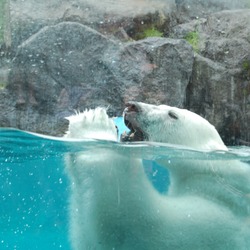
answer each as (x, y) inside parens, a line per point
(173, 115)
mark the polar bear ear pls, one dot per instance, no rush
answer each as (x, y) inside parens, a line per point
(173, 114)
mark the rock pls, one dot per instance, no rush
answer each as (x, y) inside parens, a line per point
(224, 37)
(196, 9)
(70, 55)
(28, 17)
(213, 93)
(220, 85)
(155, 70)
(69, 67)
(58, 70)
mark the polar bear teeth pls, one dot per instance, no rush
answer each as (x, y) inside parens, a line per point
(133, 136)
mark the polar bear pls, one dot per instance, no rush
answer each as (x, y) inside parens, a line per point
(114, 206)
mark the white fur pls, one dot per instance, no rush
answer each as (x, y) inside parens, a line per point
(197, 133)
(92, 124)
(114, 206)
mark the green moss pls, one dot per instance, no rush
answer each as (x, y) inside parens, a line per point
(2, 85)
(149, 31)
(152, 32)
(246, 68)
(193, 39)
(246, 65)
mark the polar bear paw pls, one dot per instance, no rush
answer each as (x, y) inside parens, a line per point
(92, 124)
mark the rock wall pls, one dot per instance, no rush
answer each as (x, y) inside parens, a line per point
(80, 58)
(219, 88)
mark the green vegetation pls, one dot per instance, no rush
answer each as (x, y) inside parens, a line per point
(193, 39)
(2, 85)
(149, 31)
(246, 65)
(246, 68)
(152, 32)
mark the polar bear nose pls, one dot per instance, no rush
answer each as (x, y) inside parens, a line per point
(131, 107)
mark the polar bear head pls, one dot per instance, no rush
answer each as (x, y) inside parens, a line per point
(170, 125)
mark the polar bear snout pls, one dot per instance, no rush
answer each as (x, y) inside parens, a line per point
(132, 106)
(131, 113)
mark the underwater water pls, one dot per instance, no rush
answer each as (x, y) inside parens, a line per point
(34, 188)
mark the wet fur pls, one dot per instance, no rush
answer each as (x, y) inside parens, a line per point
(114, 206)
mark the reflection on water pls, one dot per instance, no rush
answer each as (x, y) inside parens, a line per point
(34, 188)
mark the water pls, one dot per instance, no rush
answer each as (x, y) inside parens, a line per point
(33, 193)
(34, 188)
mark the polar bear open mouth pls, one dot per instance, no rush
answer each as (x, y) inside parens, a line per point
(130, 119)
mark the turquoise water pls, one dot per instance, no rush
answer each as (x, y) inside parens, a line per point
(34, 188)
(33, 193)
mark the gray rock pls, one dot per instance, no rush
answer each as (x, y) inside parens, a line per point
(29, 16)
(155, 70)
(220, 83)
(70, 67)
(213, 93)
(196, 9)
